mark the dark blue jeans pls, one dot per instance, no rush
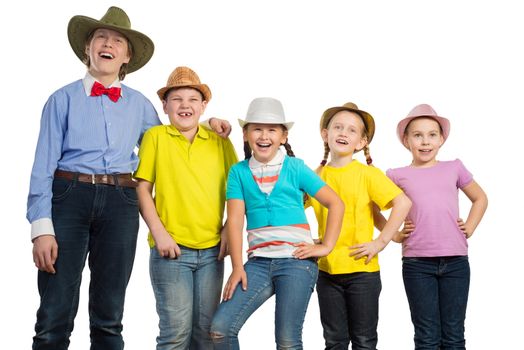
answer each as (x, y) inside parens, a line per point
(349, 309)
(99, 221)
(437, 291)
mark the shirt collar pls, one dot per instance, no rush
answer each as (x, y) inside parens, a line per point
(202, 132)
(278, 159)
(89, 81)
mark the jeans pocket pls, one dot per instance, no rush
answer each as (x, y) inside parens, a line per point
(128, 194)
(61, 189)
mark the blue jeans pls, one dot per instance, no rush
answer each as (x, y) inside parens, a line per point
(349, 309)
(99, 221)
(187, 292)
(291, 280)
(437, 290)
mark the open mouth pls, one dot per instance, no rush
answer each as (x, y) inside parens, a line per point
(185, 114)
(263, 145)
(341, 141)
(106, 55)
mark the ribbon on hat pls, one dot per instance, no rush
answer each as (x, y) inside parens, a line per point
(113, 93)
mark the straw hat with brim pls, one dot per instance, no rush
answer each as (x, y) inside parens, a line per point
(80, 27)
(422, 110)
(265, 110)
(184, 77)
(368, 120)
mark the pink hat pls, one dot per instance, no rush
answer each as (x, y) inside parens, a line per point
(422, 110)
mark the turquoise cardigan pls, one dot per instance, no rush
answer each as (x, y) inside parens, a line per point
(284, 205)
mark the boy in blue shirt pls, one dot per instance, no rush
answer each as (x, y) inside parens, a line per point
(82, 200)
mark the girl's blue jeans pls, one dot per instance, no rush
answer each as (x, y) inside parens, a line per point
(187, 292)
(349, 309)
(290, 280)
(437, 290)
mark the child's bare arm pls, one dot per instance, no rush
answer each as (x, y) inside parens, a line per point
(399, 211)
(164, 243)
(329, 199)
(235, 226)
(378, 219)
(479, 204)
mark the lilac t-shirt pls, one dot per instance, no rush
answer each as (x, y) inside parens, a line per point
(435, 210)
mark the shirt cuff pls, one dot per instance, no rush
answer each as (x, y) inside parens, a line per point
(42, 227)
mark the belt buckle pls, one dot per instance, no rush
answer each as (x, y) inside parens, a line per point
(93, 179)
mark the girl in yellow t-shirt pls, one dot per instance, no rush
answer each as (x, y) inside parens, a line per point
(349, 284)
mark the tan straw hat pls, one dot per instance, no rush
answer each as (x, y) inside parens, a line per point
(419, 111)
(368, 120)
(80, 27)
(265, 110)
(185, 77)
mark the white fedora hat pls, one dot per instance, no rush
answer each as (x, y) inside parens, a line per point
(265, 110)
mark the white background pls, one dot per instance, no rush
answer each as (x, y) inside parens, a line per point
(464, 58)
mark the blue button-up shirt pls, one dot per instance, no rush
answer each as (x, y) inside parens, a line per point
(86, 134)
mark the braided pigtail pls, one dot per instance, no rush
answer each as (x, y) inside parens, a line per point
(289, 151)
(369, 160)
(247, 150)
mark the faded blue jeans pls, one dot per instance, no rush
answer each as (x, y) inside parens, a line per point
(437, 290)
(291, 280)
(349, 309)
(98, 223)
(187, 292)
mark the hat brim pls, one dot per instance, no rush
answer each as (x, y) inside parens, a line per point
(243, 123)
(366, 118)
(80, 27)
(203, 88)
(403, 124)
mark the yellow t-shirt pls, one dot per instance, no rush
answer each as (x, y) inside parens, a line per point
(190, 182)
(359, 186)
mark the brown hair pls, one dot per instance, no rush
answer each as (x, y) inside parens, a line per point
(166, 94)
(248, 152)
(123, 68)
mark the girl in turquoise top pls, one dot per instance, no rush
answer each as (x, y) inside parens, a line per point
(268, 188)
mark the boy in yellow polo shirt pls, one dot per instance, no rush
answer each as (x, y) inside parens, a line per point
(187, 166)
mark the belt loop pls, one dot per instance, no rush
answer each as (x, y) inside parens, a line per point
(115, 179)
(75, 178)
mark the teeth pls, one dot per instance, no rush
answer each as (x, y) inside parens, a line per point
(344, 142)
(106, 55)
(263, 144)
(184, 114)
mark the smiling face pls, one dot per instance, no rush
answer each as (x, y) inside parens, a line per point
(107, 50)
(423, 138)
(265, 140)
(344, 135)
(184, 106)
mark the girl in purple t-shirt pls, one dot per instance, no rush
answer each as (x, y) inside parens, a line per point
(435, 264)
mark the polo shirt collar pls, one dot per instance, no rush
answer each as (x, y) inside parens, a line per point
(89, 81)
(278, 159)
(202, 132)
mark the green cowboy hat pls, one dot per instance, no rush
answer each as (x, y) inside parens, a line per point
(80, 27)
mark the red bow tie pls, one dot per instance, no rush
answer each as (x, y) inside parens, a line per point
(113, 93)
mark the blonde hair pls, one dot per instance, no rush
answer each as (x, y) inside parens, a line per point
(367, 153)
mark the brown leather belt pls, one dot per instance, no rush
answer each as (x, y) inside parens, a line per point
(124, 180)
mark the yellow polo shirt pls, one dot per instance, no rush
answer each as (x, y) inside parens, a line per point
(359, 186)
(189, 182)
